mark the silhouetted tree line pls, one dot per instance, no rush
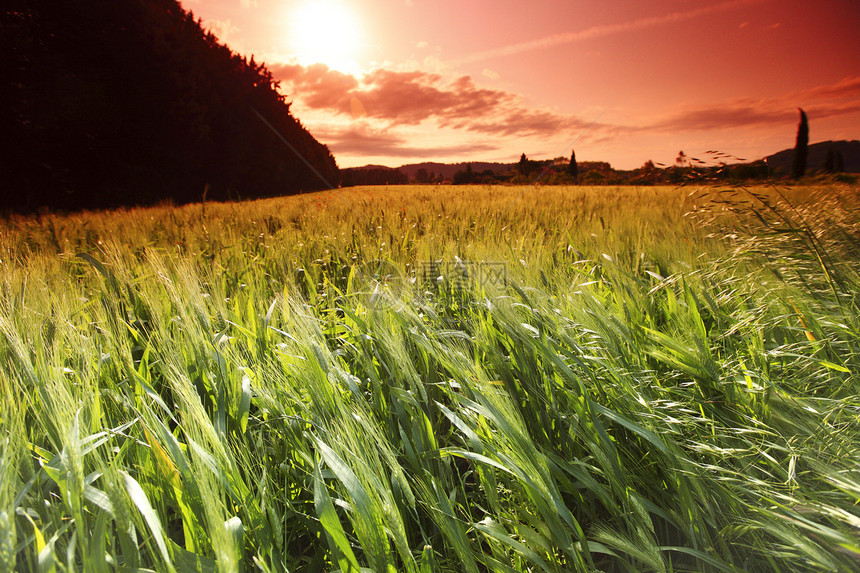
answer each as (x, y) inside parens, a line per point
(469, 176)
(117, 102)
(685, 170)
(376, 175)
(423, 176)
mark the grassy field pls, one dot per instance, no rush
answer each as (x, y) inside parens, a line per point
(435, 379)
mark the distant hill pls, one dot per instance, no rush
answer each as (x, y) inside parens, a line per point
(122, 102)
(780, 163)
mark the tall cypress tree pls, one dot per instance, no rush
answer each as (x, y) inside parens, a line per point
(800, 147)
(573, 168)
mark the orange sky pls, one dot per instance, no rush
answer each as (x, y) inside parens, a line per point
(401, 81)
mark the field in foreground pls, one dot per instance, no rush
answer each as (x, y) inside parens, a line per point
(435, 379)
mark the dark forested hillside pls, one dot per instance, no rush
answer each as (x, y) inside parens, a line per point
(107, 102)
(847, 151)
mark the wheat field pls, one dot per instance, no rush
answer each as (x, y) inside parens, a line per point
(435, 379)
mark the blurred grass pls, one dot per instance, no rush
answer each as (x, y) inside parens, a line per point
(665, 381)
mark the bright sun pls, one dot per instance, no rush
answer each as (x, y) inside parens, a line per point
(326, 31)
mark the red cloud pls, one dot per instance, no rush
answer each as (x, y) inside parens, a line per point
(410, 98)
(319, 86)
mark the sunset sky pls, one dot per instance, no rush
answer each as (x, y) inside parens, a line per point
(402, 81)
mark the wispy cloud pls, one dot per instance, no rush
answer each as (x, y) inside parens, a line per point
(820, 102)
(846, 88)
(364, 140)
(749, 113)
(603, 31)
(525, 122)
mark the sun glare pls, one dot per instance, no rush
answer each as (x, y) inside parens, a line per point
(328, 32)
